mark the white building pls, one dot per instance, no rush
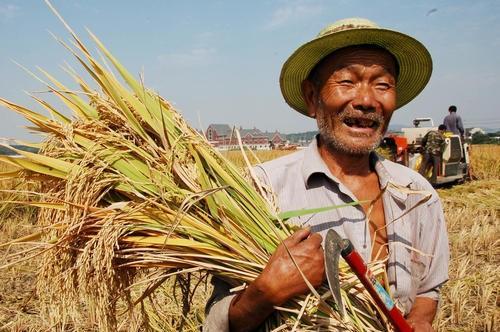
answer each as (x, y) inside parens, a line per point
(471, 131)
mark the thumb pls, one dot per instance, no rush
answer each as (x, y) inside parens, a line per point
(298, 236)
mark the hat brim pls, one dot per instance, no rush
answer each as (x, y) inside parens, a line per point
(415, 62)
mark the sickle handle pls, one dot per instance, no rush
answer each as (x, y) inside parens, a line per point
(376, 290)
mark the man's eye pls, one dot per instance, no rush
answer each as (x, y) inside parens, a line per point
(383, 86)
(346, 82)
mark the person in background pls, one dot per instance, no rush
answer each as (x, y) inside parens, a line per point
(453, 122)
(432, 144)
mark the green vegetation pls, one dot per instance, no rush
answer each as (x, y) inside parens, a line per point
(8, 152)
(490, 138)
(306, 136)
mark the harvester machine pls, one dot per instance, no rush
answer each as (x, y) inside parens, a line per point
(406, 149)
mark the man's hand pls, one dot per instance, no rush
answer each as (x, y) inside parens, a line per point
(280, 280)
(422, 314)
(421, 326)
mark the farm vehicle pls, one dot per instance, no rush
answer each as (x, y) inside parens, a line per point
(406, 148)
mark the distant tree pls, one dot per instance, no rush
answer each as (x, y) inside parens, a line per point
(26, 148)
(5, 151)
(8, 152)
(480, 138)
(296, 137)
(492, 135)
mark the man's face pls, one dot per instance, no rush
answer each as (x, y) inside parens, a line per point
(355, 98)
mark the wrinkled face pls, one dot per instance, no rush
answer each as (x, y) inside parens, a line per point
(353, 97)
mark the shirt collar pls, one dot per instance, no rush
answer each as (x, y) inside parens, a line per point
(386, 170)
(313, 163)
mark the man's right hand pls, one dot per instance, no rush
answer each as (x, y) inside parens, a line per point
(280, 280)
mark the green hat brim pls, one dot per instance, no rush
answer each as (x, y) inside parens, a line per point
(415, 62)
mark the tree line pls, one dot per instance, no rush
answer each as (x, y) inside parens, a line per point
(489, 138)
(8, 152)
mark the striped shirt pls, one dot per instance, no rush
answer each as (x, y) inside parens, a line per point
(417, 242)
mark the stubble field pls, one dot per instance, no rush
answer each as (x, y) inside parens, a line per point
(470, 298)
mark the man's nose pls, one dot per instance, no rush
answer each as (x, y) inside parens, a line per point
(364, 100)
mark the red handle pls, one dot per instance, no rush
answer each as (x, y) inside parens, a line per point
(376, 290)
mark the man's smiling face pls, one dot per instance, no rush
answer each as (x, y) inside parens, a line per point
(352, 97)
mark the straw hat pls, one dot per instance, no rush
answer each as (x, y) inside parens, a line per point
(415, 62)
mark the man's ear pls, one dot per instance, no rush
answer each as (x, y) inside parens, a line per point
(310, 94)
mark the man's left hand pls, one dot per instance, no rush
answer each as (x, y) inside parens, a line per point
(421, 326)
(422, 314)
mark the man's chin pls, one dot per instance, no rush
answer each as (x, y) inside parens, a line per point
(355, 150)
(354, 147)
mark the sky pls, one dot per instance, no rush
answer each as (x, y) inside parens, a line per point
(219, 61)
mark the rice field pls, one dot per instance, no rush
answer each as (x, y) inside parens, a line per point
(470, 298)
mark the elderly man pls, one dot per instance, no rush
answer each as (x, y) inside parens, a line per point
(350, 78)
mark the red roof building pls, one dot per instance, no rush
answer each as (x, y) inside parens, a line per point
(224, 137)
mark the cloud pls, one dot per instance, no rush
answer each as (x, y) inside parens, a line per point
(293, 11)
(194, 57)
(8, 11)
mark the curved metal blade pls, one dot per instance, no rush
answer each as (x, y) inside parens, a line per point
(333, 243)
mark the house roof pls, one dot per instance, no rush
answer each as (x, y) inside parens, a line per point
(225, 130)
(253, 132)
(271, 134)
(221, 129)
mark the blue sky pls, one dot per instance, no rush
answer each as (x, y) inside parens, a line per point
(219, 61)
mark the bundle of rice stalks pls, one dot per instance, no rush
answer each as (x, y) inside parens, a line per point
(128, 187)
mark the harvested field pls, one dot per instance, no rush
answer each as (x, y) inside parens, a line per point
(470, 298)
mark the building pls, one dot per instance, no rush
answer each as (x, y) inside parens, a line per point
(223, 137)
(471, 131)
(218, 132)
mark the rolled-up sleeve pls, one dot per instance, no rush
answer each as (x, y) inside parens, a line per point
(217, 308)
(434, 241)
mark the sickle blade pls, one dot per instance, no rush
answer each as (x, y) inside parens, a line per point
(332, 253)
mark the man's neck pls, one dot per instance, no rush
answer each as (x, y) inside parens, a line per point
(343, 165)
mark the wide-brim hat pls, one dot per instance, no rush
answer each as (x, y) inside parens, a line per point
(414, 61)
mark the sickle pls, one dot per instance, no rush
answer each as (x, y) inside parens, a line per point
(333, 246)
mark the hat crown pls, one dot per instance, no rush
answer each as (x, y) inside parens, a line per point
(347, 24)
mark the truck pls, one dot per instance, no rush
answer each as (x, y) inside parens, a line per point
(406, 148)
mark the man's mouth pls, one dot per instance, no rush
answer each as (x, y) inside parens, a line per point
(355, 122)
